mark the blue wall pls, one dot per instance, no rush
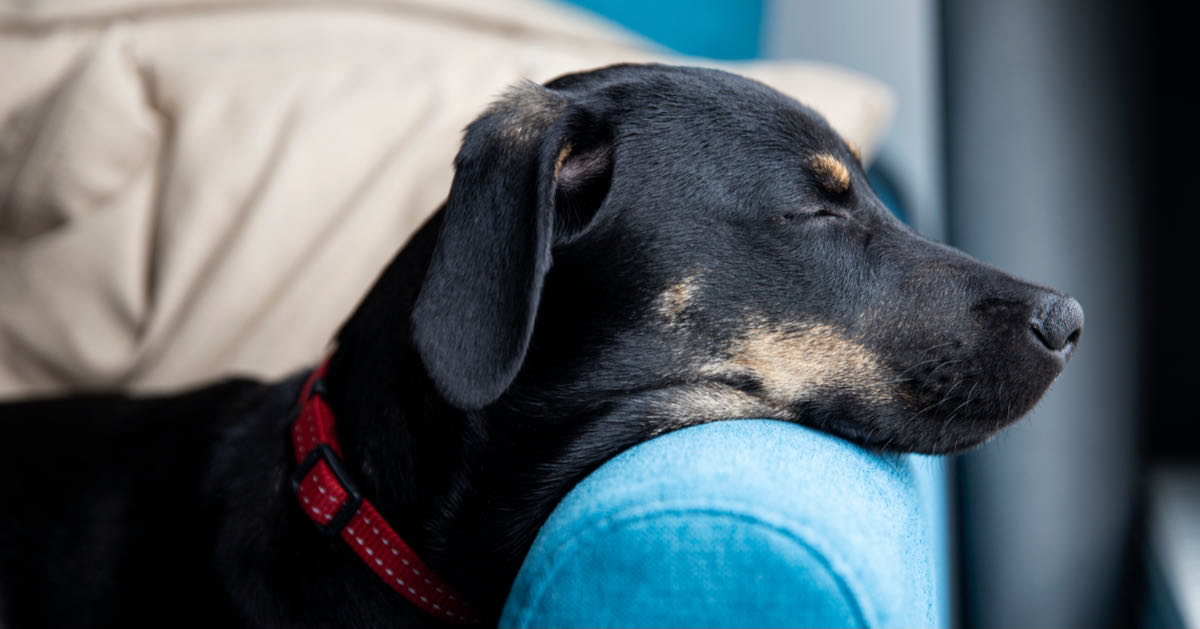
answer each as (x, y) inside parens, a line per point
(720, 29)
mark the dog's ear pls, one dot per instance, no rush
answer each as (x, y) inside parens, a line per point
(532, 172)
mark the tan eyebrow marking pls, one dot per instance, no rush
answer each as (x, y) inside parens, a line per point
(831, 173)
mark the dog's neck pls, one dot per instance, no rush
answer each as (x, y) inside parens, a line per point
(398, 438)
(415, 456)
(467, 490)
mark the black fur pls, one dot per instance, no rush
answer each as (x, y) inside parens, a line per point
(623, 252)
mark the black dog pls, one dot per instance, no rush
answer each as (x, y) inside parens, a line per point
(623, 252)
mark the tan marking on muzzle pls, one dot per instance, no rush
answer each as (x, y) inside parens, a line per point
(804, 363)
(831, 173)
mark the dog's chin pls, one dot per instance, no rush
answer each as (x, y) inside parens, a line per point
(967, 435)
(948, 428)
(953, 415)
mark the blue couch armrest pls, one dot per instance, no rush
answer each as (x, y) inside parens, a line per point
(739, 523)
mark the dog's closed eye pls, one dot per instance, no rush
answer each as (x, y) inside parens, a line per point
(821, 212)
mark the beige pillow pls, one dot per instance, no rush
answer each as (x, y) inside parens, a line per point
(193, 189)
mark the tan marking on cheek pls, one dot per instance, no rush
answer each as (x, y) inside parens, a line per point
(802, 364)
(671, 303)
(831, 172)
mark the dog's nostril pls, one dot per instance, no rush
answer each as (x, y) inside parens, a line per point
(1057, 322)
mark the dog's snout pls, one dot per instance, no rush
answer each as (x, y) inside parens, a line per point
(1057, 322)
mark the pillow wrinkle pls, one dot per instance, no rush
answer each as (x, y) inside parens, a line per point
(80, 145)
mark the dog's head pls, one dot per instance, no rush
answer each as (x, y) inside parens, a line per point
(706, 246)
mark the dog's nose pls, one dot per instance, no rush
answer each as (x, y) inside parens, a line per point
(1057, 322)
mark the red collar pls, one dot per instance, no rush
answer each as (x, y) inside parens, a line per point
(332, 502)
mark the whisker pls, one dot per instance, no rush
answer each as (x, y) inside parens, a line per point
(930, 349)
(948, 362)
(901, 376)
(945, 398)
(960, 406)
(946, 423)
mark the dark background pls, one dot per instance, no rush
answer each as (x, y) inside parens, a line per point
(1170, 120)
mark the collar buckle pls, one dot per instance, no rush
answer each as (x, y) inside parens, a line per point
(324, 453)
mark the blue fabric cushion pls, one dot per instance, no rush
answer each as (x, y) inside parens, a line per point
(739, 523)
